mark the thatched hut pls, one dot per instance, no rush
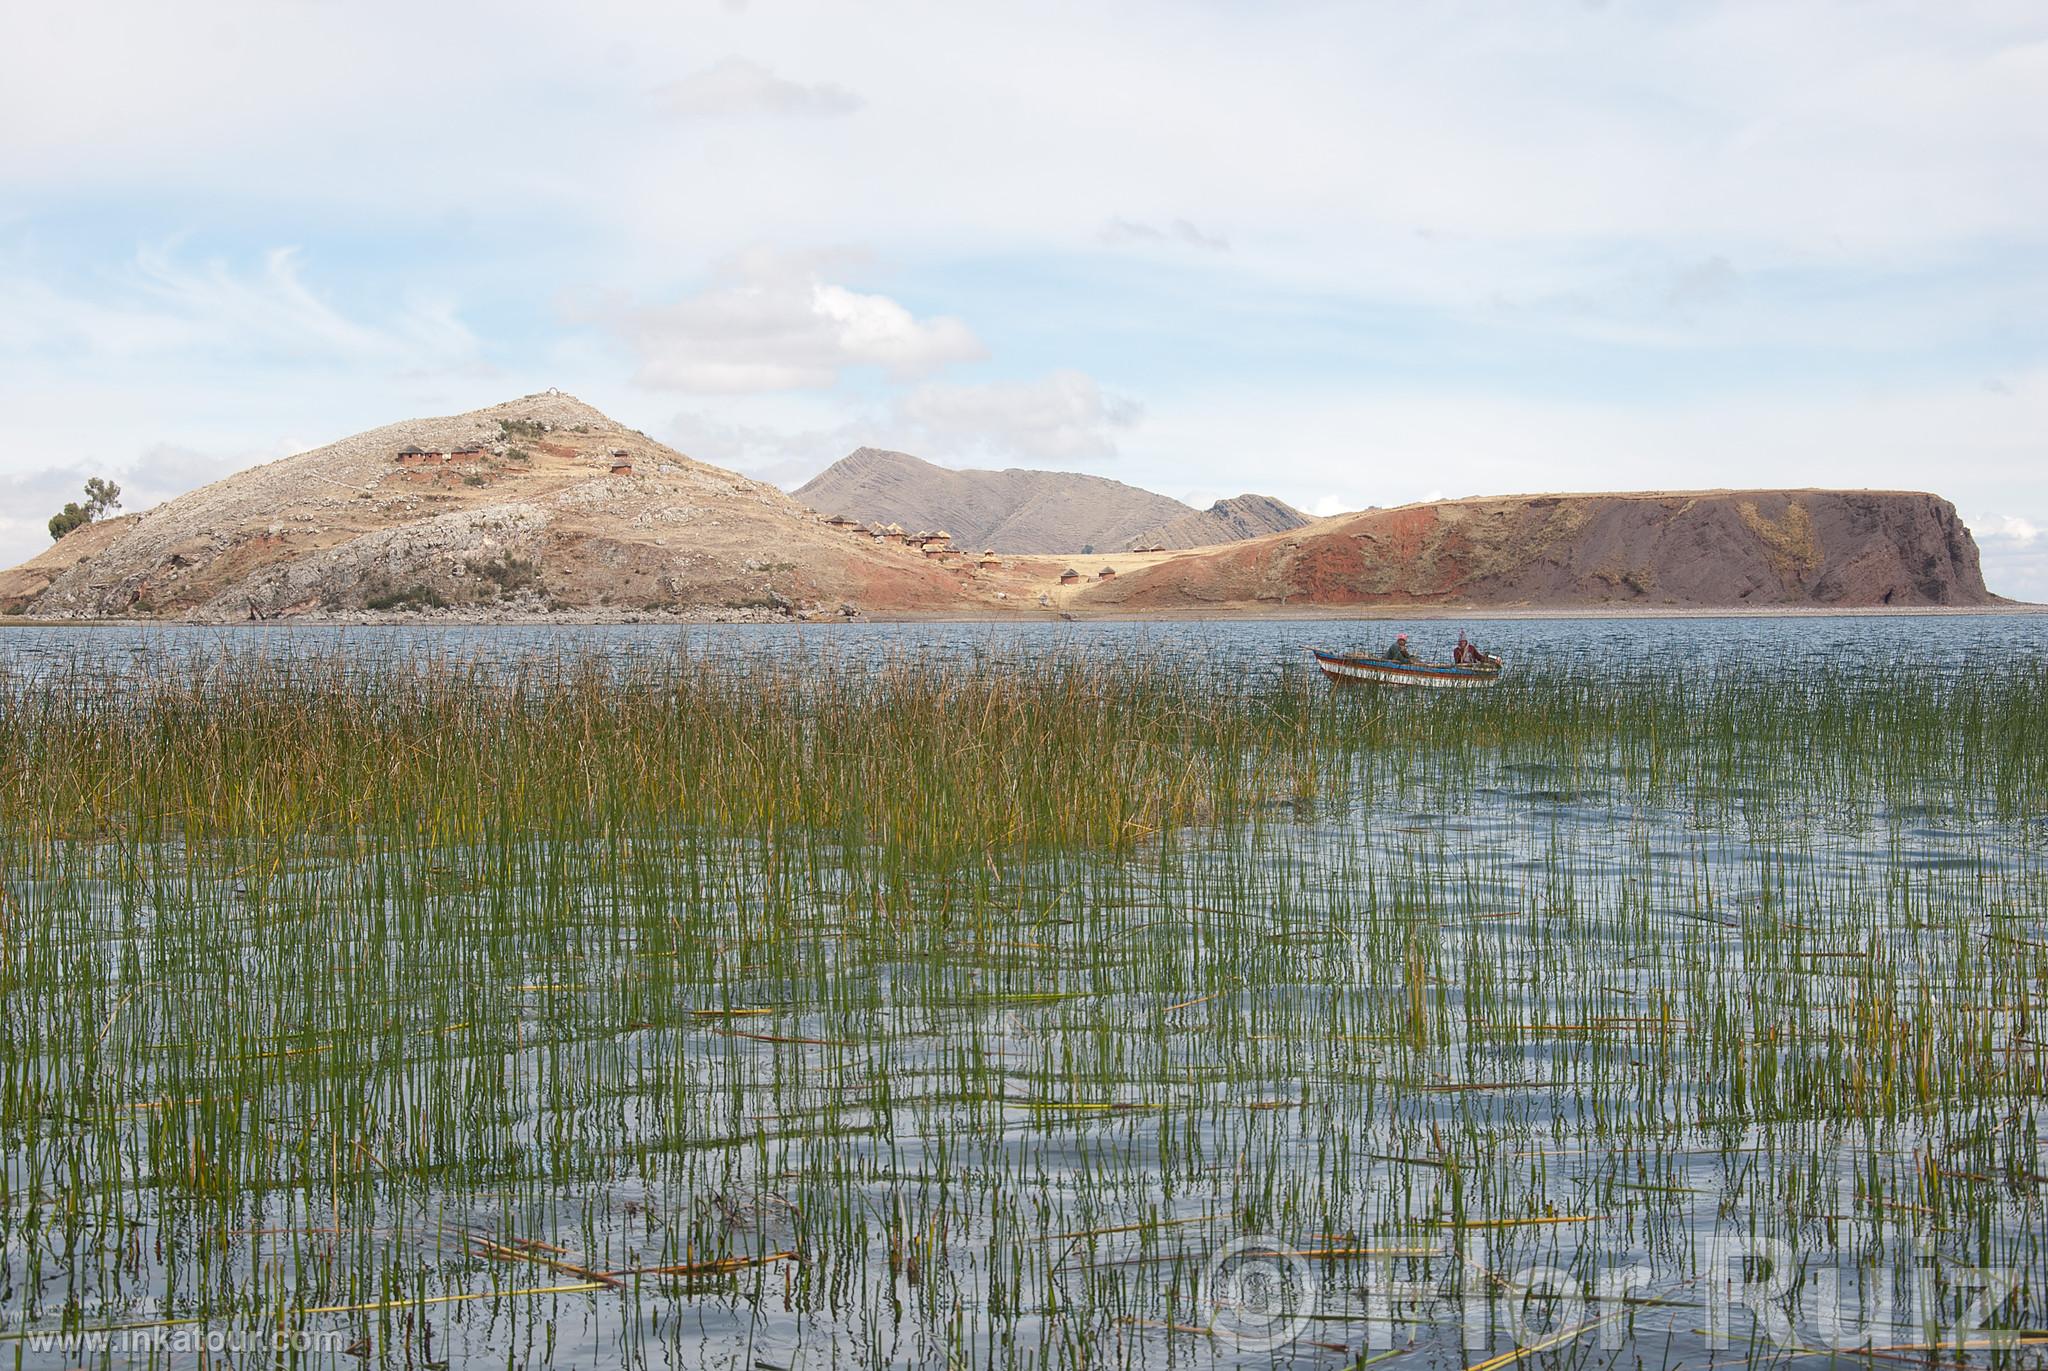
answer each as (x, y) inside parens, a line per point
(1070, 577)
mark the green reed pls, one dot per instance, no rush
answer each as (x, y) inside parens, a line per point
(928, 1011)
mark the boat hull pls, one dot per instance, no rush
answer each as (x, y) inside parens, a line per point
(1343, 670)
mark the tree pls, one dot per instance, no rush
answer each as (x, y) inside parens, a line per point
(68, 518)
(100, 496)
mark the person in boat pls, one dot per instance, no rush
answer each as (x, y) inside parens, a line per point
(1399, 651)
(1467, 652)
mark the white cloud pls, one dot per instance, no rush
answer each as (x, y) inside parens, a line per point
(772, 323)
(2015, 552)
(159, 304)
(736, 86)
(2006, 528)
(1118, 232)
(786, 456)
(1063, 417)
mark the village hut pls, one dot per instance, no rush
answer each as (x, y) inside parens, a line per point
(1070, 577)
(1108, 573)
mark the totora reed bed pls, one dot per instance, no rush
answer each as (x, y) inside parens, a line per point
(1027, 1011)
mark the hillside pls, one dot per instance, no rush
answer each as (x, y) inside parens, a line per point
(1022, 511)
(1226, 521)
(543, 506)
(1733, 549)
(535, 506)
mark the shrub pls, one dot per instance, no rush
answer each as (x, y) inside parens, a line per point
(413, 597)
(509, 574)
(64, 520)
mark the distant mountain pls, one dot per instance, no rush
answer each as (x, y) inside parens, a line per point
(1226, 521)
(1021, 511)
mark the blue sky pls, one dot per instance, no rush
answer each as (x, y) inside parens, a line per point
(1346, 254)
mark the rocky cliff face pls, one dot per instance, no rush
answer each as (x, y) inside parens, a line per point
(1733, 549)
(538, 505)
(1022, 511)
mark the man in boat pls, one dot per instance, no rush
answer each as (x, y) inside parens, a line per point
(1399, 651)
(1467, 652)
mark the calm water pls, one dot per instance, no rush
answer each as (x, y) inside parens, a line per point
(1465, 1038)
(1841, 642)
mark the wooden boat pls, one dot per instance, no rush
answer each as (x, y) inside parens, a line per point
(1347, 670)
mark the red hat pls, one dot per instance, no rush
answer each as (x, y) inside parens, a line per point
(1400, 637)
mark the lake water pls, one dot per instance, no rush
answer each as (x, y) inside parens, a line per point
(1721, 1049)
(1804, 641)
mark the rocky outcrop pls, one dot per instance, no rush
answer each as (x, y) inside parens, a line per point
(1020, 511)
(1710, 549)
(536, 506)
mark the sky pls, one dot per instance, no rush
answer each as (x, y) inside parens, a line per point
(1347, 254)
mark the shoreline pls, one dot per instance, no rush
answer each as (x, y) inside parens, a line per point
(1276, 613)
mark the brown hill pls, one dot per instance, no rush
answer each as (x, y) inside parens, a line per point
(537, 505)
(1226, 521)
(1734, 549)
(1024, 511)
(543, 505)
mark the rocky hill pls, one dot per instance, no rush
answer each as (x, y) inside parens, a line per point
(538, 505)
(1226, 521)
(1707, 549)
(544, 506)
(1022, 511)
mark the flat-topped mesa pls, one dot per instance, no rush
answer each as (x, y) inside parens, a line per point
(535, 505)
(1697, 549)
